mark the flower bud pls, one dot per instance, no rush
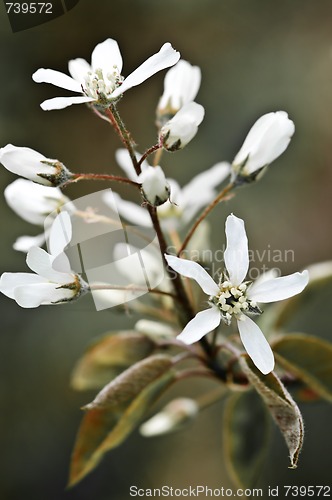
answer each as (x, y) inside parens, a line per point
(267, 139)
(176, 414)
(183, 127)
(155, 188)
(34, 166)
(181, 85)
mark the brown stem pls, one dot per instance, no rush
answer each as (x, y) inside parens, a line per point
(149, 152)
(221, 196)
(102, 177)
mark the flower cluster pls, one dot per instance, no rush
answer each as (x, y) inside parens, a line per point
(177, 217)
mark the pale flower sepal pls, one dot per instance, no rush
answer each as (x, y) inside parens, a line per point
(182, 128)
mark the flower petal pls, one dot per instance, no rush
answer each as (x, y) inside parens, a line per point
(64, 102)
(130, 211)
(105, 56)
(165, 58)
(34, 295)
(181, 85)
(40, 262)
(236, 255)
(279, 288)
(256, 344)
(24, 243)
(79, 68)
(9, 281)
(201, 189)
(124, 161)
(203, 323)
(191, 269)
(60, 234)
(56, 78)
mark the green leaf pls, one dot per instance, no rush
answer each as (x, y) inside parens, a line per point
(117, 410)
(246, 431)
(309, 358)
(108, 357)
(282, 407)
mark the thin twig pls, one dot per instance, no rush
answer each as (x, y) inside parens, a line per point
(102, 177)
(220, 197)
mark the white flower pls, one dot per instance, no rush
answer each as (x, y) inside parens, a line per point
(33, 166)
(182, 128)
(181, 86)
(235, 298)
(102, 81)
(155, 188)
(184, 202)
(172, 417)
(54, 282)
(33, 203)
(267, 139)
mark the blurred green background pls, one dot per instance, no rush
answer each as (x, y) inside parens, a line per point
(256, 56)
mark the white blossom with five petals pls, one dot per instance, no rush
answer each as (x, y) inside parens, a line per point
(102, 81)
(53, 281)
(235, 298)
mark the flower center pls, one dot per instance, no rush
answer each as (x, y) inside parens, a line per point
(233, 301)
(100, 86)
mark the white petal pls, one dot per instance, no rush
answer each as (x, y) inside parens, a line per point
(79, 68)
(201, 189)
(24, 243)
(181, 85)
(267, 139)
(31, 201)
(267, 276)
(203, 323)
(9, 281)
(60, 234)
(165, 58)
(40, 262)
(123, 159)
(256, 345)
(105, 56)
(236, 255)
(191, 269)
(130, 211)
(26, 162)
(64, 102)
(56, 78)
(154, 185)
(182, 128)
(279, 288)
(40, 294)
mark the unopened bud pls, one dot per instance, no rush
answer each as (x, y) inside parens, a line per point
(34, 166)
(267, 140)
(182, 128)
(155, 188)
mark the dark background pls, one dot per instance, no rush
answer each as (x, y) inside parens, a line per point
(256, 57)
